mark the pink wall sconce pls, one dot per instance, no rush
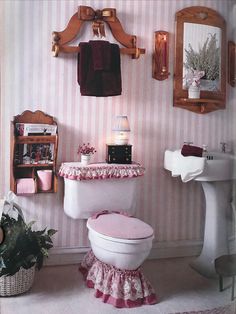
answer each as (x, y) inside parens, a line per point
(160, 61)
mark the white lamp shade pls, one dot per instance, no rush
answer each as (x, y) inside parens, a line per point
(121, 124)
(121, 128)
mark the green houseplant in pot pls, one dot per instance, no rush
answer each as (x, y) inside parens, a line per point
(21, 251)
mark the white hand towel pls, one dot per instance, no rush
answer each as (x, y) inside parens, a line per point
(187, 167)
(168, 160)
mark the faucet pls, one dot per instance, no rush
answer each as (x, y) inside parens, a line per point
(223, 147)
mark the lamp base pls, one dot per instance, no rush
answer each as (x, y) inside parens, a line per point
(121, 141)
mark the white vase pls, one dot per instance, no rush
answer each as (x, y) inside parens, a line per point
(85, 159)
(194, 92)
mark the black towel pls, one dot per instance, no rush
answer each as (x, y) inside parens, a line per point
(99, 69)
(190, 150)
(101, 55)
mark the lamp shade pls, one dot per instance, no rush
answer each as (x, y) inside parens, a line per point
(121, 129)
(121, 124)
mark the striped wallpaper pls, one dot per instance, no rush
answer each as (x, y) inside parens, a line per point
(32, 79)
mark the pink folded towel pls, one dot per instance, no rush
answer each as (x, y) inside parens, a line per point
(25, 186)
(189, 150)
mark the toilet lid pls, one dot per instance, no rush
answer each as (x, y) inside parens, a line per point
(118, 225)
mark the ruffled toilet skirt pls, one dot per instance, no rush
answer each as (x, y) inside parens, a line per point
(121, 288)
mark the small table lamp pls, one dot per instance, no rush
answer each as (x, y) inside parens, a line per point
(121, 129)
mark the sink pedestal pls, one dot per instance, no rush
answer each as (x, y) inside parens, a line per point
(216, 179)
(218, 201)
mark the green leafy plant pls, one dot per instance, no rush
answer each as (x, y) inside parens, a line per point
(22, 247)
(207, 59)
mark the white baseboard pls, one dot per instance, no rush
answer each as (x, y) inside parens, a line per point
(171, 249)
(64, 256)
(175, 249)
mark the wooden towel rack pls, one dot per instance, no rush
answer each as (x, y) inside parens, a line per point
(98, 17)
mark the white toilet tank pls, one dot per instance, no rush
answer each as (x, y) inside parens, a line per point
(84, 198)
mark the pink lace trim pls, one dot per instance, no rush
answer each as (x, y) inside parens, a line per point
(75, 171)
(121, 288)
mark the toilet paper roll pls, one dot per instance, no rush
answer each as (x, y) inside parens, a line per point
(44, 180)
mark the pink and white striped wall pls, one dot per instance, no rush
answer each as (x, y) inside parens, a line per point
(32, 79)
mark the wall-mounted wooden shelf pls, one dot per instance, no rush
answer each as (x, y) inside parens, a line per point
(21, 170)
(34, 166)
(201, 105)
(36, 139)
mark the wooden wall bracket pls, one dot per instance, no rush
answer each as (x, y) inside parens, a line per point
(232, 63)
(85, 13)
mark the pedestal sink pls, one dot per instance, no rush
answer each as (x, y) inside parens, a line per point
(216, 180)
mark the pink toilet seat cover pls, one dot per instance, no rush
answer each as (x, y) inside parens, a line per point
(118, 225)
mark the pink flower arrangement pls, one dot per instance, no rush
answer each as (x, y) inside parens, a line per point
(193, 77)
(86, 149)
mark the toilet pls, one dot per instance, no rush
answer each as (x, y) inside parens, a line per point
(105, 195)
(116, 239)
(119, 240)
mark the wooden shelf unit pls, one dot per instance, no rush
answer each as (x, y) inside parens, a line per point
(200, 105)
(29, 170)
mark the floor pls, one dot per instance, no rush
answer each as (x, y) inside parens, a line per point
(61, 290)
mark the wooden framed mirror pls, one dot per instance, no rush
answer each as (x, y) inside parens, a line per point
(200, 47)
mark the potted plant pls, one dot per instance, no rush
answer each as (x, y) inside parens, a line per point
(86, 151)
(207, 61)
(21, 251)
(192, 79)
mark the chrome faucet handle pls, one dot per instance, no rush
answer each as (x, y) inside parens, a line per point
(223, 146)
(188, 143)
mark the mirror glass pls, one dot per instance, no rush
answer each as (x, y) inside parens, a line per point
(202, 51)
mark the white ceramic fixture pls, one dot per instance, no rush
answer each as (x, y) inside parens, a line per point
(126, 254)
(84, 198)
(216, 180)
(218, 167)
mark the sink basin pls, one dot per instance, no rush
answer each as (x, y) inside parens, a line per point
(218, 167)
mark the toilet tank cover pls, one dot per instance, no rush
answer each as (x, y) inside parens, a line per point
(101, 171)
(119, 225)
